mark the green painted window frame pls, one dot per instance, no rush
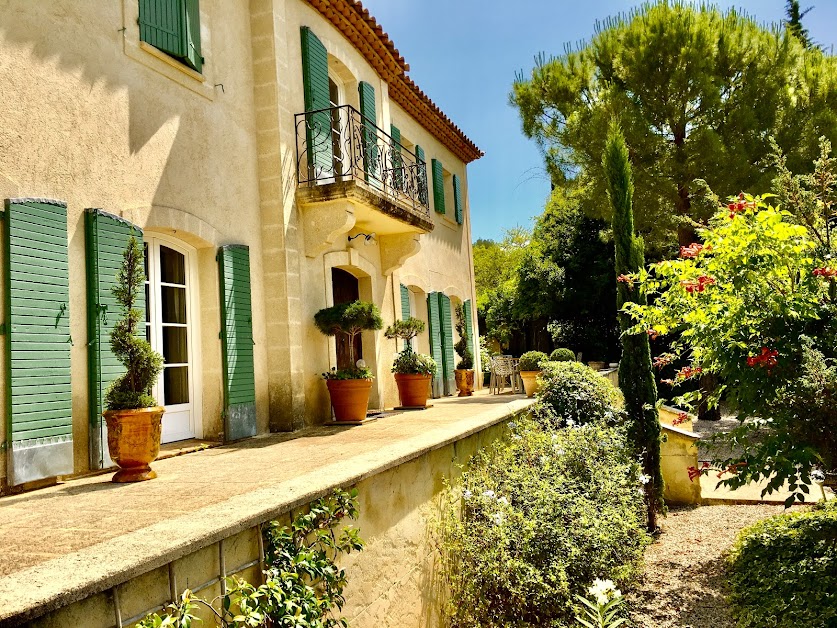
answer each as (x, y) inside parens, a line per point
(173, 27)
(459, 209)
(438, 175)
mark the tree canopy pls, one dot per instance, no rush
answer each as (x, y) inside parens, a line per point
(698, 94)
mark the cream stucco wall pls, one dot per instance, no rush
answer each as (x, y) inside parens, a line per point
(96, 118)
(91, 118)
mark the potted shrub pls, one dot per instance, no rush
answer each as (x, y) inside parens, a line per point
(530, 367)
(413, 371)
(132, 415)
(464, 371)
(349, 388)
(562, 355)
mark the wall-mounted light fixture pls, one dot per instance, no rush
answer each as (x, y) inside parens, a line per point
(368, 236)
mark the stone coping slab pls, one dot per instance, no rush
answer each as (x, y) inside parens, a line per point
(70, 541)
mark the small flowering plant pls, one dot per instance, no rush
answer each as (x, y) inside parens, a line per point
(737, 306)
(602, 608)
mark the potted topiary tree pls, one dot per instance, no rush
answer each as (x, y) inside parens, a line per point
(530, 368)
(562, 355)
(413, 371)
(464, 371)
(349, 388)
(132, 415)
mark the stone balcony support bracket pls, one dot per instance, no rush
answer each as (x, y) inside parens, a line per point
(325, 223)
(397, 249)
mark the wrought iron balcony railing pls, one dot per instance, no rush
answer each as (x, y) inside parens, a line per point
(339, 143)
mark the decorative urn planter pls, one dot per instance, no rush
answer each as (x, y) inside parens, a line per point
(134, 442)
(464, 381)
(413, 389)
(530, 382)
(349, 398)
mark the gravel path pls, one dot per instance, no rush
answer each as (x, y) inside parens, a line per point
(682, 582)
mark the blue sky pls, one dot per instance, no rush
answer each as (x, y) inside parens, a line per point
(464, 54)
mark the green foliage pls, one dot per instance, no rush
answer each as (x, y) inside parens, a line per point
(348, 319)
(794, 22)
(462, 346)
(408, 362)
(698, 92)
(357, 372)
(783, 571)
(573, 394)
(636, 377)
(303, 583)
(602, 609)
(752, 307)
(562, 355)
(542, 514)
(132, 390)
(406, 330)
(485, 356)
(532, 360)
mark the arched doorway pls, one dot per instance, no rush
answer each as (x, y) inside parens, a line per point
(170, 327)
(345, 289)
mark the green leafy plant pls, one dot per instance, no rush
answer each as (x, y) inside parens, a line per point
(532, 360)
(572, 393)
(636, 375)
(132, 389)
(462, 346)
(562, 355)
(406, 330)
(349, 319)
(485, 356)
(541, 514)
(602, 608)
(303, 583)
(412, 363)
(753, 305)
(782, 571)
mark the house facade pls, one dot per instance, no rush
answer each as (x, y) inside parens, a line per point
(274, 159)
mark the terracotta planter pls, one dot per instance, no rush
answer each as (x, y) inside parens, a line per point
(134, 442)
(597, 366)
(464, 381)
(349, 398)
(413, 389)
(530, 382)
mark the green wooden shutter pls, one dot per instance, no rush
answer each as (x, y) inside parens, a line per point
(369, 136)
(405, 306)
(237, 342)
(38, 386)
(435, 329)
(395, 156)
(192, 34)
(448, 357)
(106, 237)
(469, 324)
(457, 199)
(162, 25)
(315, 91)
(421, 176)
(438, 186)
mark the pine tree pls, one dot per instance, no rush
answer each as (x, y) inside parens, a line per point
(794, 23)
(636, 377)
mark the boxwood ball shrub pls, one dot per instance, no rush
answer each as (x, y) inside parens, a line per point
(783, 571)
(562, 355)
(573, 394)
(532, 360)
(541, 514)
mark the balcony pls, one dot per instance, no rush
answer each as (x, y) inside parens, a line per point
(348, 167)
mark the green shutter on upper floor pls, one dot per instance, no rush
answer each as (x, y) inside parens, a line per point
(421, 176)
(318, 147)
(237, 342)
(173, 26)
(448, 356)
(457, 200)
(397, 160)
(437, 173)
(106, 237)
(369, 136)
(469, 325)
(434, 321)
(39, 413)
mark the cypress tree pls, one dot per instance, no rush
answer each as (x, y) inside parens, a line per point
(636, 377)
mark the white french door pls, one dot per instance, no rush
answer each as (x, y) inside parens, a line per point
(169, 329)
